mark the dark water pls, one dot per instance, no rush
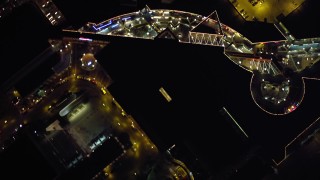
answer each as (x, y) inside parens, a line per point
(197, 84)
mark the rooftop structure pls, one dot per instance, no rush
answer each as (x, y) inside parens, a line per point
(278, 67)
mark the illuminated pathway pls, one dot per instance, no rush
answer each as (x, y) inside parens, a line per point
(278, 67)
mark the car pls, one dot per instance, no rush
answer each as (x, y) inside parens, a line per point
(103, 90)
